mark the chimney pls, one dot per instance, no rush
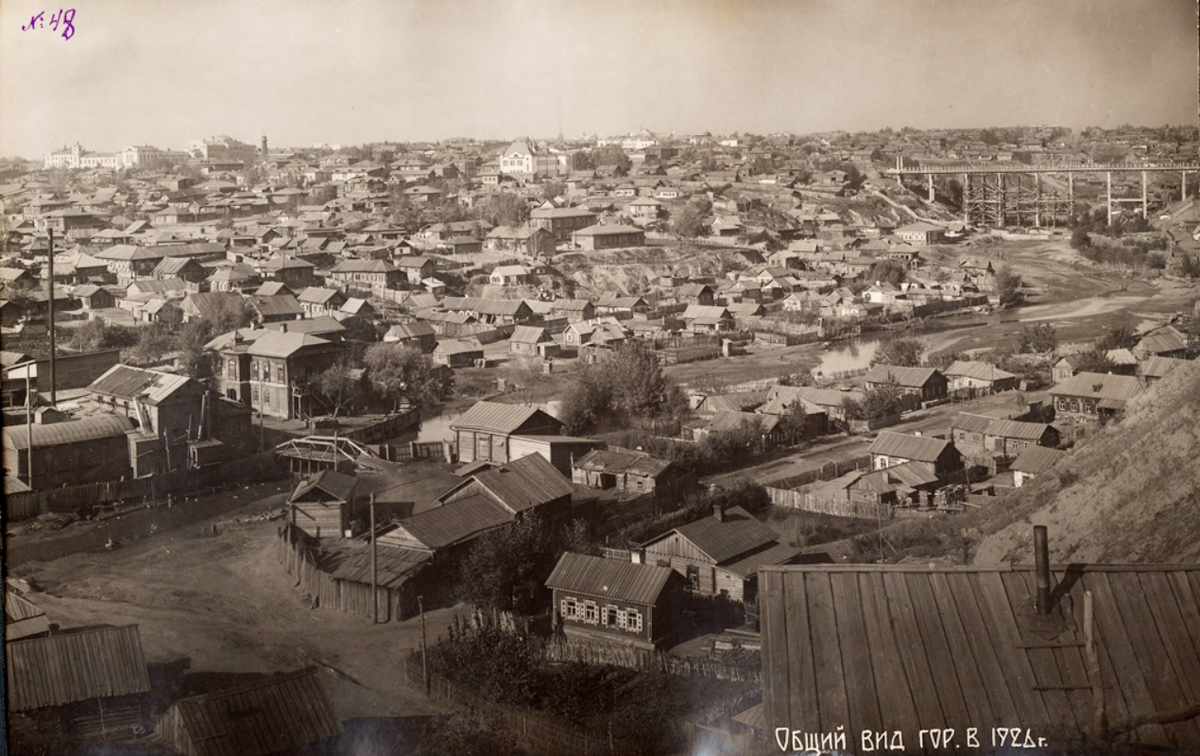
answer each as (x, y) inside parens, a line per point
(1041, 563)
(283, 326)
(719, 512)
(638, 556)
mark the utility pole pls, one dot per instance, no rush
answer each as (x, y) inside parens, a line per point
(50, 313)
(424, 649)
(29, 426)
(374, 566)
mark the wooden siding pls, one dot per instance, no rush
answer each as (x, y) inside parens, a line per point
(73, 667)
(898, 648)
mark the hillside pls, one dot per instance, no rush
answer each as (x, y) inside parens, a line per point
(1130, 493)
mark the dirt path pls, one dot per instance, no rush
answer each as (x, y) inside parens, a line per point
(226, 603)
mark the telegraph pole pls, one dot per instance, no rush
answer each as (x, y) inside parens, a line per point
(29, 426)
(374, 566)
(50, 312)
(424, 649)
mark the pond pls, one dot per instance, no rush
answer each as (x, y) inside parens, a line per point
(841, 356)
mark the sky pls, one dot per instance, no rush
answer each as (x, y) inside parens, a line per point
(164, 72)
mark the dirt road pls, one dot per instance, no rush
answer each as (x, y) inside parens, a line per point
(224, 602)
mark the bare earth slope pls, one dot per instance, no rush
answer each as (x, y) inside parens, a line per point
(1130, 493)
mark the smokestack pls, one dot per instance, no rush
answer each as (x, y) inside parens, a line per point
(1041, 563)
(719, 512)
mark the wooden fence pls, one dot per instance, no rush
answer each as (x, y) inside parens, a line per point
(388, 427)
(539, 733)
(828, 471)
(613, 654)
(29, 504)
(838, 507)
(315, 580)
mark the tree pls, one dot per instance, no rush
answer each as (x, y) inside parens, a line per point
(629, 383)
(900, 352)
(1095, 361)
(337, 385)
(793, 424)
(231, 313)
(887, 271)
(197, 361)
(552, 189)
(97, 334)
(1121, 337)
(688, 221)
(1038, 339)
(403, 374)
(1008, 284)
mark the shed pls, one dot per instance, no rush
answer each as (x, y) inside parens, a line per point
(276, 715)
(327, 505)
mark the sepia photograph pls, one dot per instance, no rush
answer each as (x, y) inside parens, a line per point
(639, 378)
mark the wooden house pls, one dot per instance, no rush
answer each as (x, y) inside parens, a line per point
(70, 452)
(484, 432)
(417, 335)
(614, 601)
(457, 353)
(530, 483)
(999, 437)
(879, 653)
(1093, 397)
(891, 448)
(636, 473)
(980, 376)
(559, 451)
(283, 713)
(922, 384)
(530, 340)
(720, 555)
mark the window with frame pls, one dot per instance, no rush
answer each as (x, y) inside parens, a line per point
(633, 621)
(569, 608)
(693, 577)
(591, 613)
(608, 617)
(254, 394)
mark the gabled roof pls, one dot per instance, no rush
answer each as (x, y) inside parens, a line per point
(529, 335)
(75, 666)
(981, 371)
(150, 386)
(278, 304)
(455, 522)
(403, 331)
(92, 428)
(276, 715)
(523, 484)
(904, 446)
(875, 647)
(1156, 366)
(612, 579)
(22, 618)
(724, 541)
(1163, 340)
(1118, 388)
(338, 485)
(621, 461)
(909, 377)
(729, 420)
(1037, 459)
(781, 397)
(504, 418)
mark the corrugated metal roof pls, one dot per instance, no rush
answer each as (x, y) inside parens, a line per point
(68, 431)
(971, 423)
(525, 483)
(1166, 340)
(22, 618)
(276, 304)
(904, 446)
(273, 716)
(495, 417)
(151, 386)
(455, 522)
(1002, 428)
(1037, 459)
(1157, 367)
(410, 331)
(909, 377)
(873, 648)
(1099, 386)
(529, 335)
(738, 534)
(75, 666)
(613, 579)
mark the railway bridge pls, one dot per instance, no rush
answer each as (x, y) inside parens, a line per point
(1003, 194)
